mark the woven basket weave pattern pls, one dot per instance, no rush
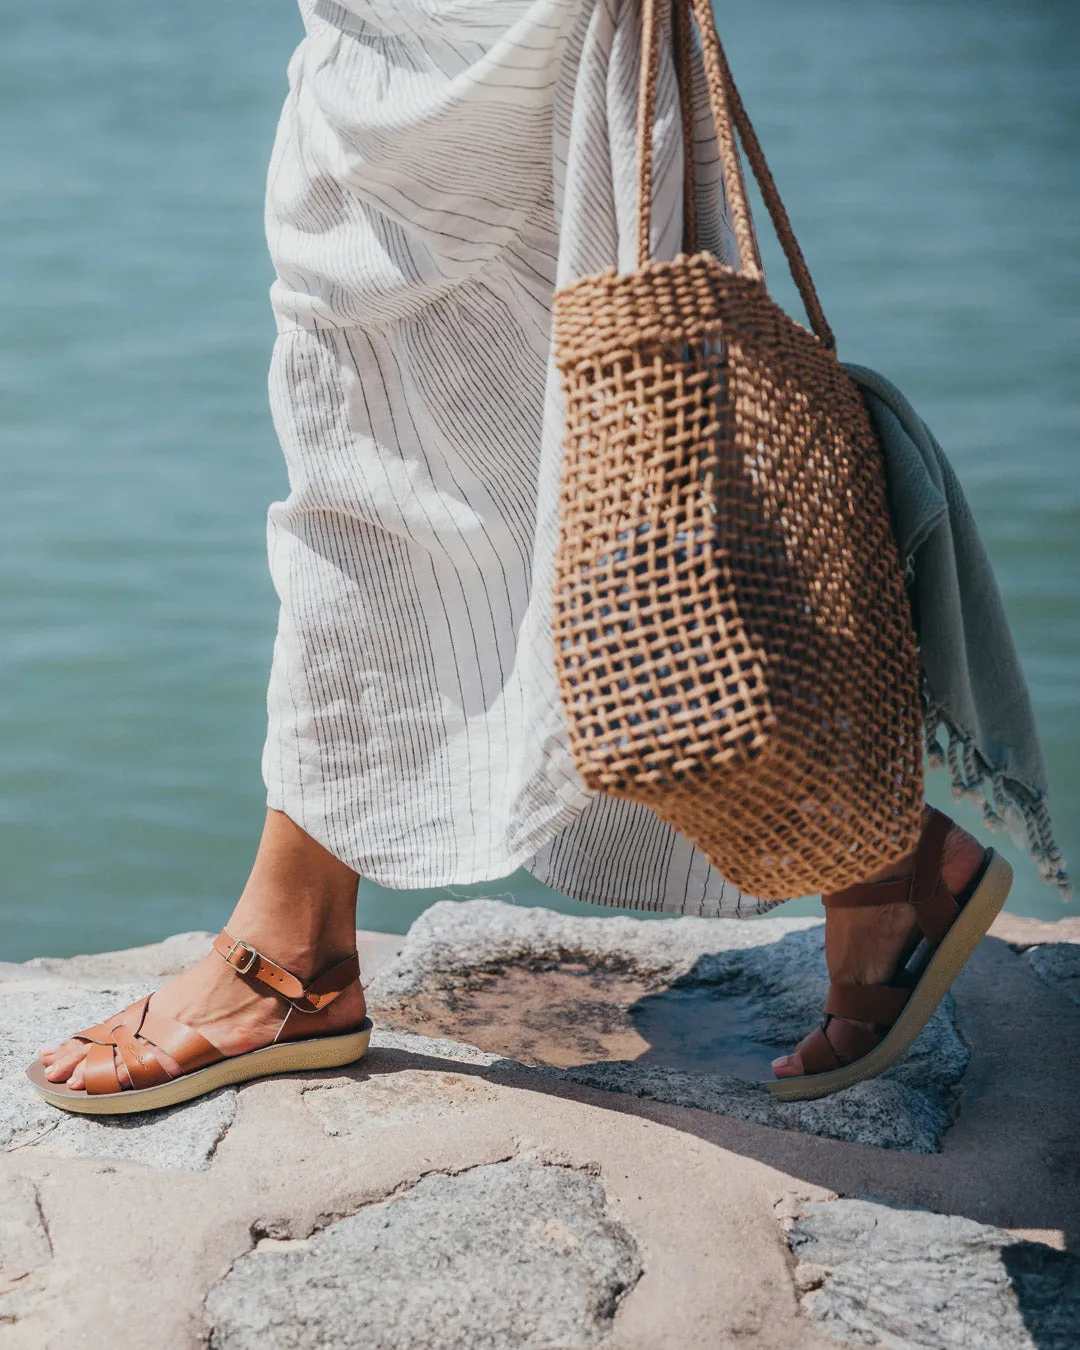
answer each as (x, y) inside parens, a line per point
(733, 640)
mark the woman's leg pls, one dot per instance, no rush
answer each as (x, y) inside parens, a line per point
(866, 946)
(299, 909)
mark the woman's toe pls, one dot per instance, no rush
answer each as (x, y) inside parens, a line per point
(787, 1066)
(62, 1067)
(77, 1081)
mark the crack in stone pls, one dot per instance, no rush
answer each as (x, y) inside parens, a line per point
(43, 1218)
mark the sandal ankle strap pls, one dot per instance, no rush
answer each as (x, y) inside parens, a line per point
(247, 961)
(935, 907)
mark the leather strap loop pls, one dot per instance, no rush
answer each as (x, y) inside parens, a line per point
(135, 1035)
(881, 1004)
(99, 1066)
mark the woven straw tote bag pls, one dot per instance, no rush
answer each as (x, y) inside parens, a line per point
(733, 640)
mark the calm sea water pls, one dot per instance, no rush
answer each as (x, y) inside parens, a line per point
(927, 152)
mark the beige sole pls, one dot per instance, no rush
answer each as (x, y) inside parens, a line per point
(324, 1052)
(946, 963)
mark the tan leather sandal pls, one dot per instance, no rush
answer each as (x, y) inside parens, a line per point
(952, 927)
(136, 1033)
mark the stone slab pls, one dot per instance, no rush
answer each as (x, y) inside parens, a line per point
(693, 1189)
(775, 965)
(1019, 931)
(535, 1240)
(909, 1279)
(24, 1238)
(1058, 965)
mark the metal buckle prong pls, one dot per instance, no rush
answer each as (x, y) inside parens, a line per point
(242, 970)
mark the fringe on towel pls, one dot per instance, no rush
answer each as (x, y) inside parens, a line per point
(1006, 804)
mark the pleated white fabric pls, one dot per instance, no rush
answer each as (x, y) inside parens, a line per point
(440, 167)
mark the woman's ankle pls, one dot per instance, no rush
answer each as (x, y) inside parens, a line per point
(292, 937)
(299, 904)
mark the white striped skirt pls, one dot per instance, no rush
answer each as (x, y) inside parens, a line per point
(440, 167)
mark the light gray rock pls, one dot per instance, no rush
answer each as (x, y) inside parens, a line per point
(454, 937)
(1058, 963)
(351, 1106)
(25, 1249)
(183, 1138)
(438, 1047)
(912, 1280)
(509, 1254)
(775, 966)
(887, 1113)
(884, 1113)
(152, 963)
(24, 1238)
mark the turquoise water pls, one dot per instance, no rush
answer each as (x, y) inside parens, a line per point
(927, 152)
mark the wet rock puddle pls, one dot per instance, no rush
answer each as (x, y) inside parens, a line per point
(570, 1014)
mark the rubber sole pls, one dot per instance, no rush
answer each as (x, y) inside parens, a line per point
(968, 930)
(324, 1052)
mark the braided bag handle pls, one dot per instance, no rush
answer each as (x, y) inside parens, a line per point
(728, 115)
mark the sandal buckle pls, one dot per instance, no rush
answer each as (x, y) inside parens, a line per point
(252, 957)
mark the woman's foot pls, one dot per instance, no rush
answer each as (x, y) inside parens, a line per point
(869, 945)
(298, 909)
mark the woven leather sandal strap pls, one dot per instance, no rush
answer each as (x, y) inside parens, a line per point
(102, 1032)
(144, 1068)
(881, 1004)
(246, 960)
(137, 1035)
(99, 1070)
(817, 1054)
(190, 1049)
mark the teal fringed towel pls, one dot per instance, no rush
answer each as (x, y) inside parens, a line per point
(973, 687)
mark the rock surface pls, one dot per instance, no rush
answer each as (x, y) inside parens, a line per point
(428, 1138)
(408, 1270)
(24, 1239)
(44, 1010)
(774, 967)
(878, 1274)
(1058, 963)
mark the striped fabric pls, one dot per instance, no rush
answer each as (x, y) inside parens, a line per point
(440, 167)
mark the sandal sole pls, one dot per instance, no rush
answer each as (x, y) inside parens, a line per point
(948, 960)
(326, 1052)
